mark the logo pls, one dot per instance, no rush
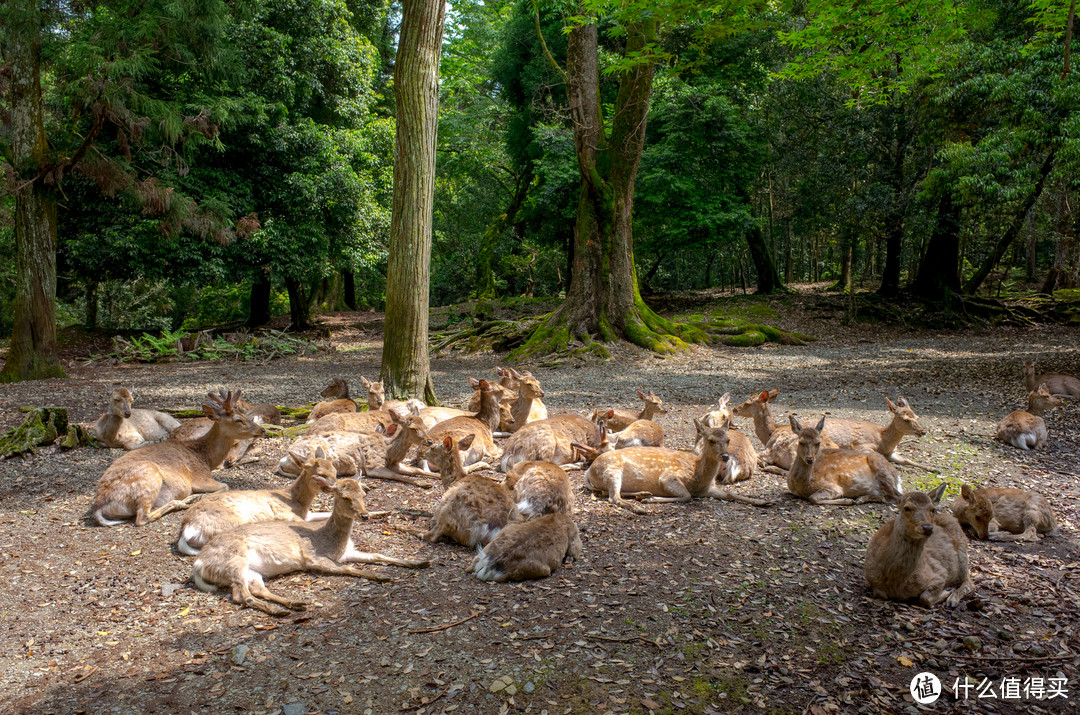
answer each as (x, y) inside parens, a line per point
(925, 688)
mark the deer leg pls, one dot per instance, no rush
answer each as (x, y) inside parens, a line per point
(899, 459)
(614, 488)
(960, 591)
(934, 594)
(434, 534)
(1029, 534)
(475, 466)
(259, 590)
(351, 555)
(415, 471)
(203, 484)
(241, 594)
(531, 568)
(391, 475)
(674, 490)
(322, 564)
(829, 498)
(716, 492)
(144, 514)
(773, 469)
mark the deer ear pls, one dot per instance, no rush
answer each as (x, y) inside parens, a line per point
(483, 385)
(474, 383)
(700, 426)
(773, 393)
(935, 496)
(724, 399)
(296, 457)
(392, 430)
(210, 412)
(641, 394)
(902, 401)
(892, 407)
(764, 396)
(326, 484)
(466, 441)
(367, 382)
(965, 491)
(821, 424)
(448, 442)
(610, 414)
(795, 426)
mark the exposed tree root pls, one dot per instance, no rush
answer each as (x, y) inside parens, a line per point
(43, 426)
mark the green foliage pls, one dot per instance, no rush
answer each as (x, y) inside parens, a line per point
(167, 347)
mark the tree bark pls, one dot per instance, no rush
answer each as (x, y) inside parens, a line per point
(259, 305)
(348, 281)
(405, 363)
(939, 271)
(298, 305)
(768, 278)
(33, 340)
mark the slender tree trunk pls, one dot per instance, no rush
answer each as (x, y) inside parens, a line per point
(259, 305)
(348, 282)
(33, 339)
(1013, 230)
(90, 322)
(894, 217)
(1031, 250)
(939, 271)
(652, 272)
(298, 305)
(405, 361)
(768, 278)
(847, 254)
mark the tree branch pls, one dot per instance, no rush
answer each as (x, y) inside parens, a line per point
(543, 43)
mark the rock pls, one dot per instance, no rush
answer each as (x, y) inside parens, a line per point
(239, 653)
(1004, 635)
(294, 709)
(1037, 651)
(528, 687)
(168, 589)
(1020, 648)
(941, 645)
(973, 643)
(502, 683)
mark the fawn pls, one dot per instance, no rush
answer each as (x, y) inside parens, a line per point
(338, 400)
(618, 420)
(1026, 429)
(838, 477)
(126, 428)
(529, 549)
(1058, 385)
(474, 508)
(861, 434)
(779, 441)
(243, 557)
(919, 554)
(550, 440)
(149, 482)
(664, 475)
(220, 512)
(1004, 514)
(539, 488)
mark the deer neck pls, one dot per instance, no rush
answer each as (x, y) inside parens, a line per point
(521, 408)
(213, 446)
(489, 410)
(648, 412)
(904, 552)
(110, 426)
(764, 426)
(890, 436)
(335, 534)
(1035, 407)
(798, 476)
(398, 447)
(706, 467)
(303, 491)
(452, 470)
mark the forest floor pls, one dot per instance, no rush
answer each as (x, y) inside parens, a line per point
(705, 607)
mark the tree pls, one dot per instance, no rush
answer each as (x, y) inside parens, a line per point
(405, 364)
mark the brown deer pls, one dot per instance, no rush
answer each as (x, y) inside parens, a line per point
(621, 419)
(779, 441)
(1026, 429)
(838, 477)
(506, 400)
(639, 433)
(149, 482)
(261, 413)
(474, 508)
(366, 421)
(737, 454)
(223, 511)
(664, 475)
(337, 400)
(240, 559)
(539, 488)
(481, 425)
(861, 434)
(376, 397)
(919, 554)
(126, 428)
(1004, 514)
(1057, 385)
(529, 549)
(550, 440)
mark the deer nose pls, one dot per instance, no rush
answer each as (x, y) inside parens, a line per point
(809, 460)
(725, 457)
(127, 413)
(928, 529)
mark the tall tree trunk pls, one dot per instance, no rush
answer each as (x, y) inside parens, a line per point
(768, 278)
(1013, 230)
(33, 340)
(1031, 250)
(939, 271)
(298, 305)
(259, 305)
(348, 282)
(894, 217)
(847, 255)
(405, 362)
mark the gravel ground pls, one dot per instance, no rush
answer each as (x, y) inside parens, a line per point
(711, 606)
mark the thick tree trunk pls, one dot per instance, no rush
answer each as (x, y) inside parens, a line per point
(768, 278)
(847, 255)
(298, 305)
(259, 305)
(348, 282)
(405, 363)
(939, 271)
(33, 340)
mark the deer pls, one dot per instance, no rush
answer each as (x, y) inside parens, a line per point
(550, 440)
(481, 425)
(217, 513)
(1057, 385)
(539, 488)
(241, 558)
(737, 454)
(337, 400)
(378, 454)
(338, 422)
(474, 508)
(1026, 429)
(919, 554)
(621, 419)
(664, 475)
(838, 477)
(376, 399)
(779, 441)
(261, 413)
(639, 433)
(506, 396)
(149, 482)
(129, 428)
(860, 434)
(529, 549)
(1004, 514)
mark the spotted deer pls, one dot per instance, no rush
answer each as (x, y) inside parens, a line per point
(149, 482)
(1026, 429)
(539, 488)
(618, 420)
(919, 554)
(550, 440)
(779, 441)
(861, 434)
(129, 428)
(474, 508)
(337, 400)
(1004, 514)
(838, 477)
(480, 425)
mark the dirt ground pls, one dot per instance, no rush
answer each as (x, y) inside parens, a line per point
(699, 608)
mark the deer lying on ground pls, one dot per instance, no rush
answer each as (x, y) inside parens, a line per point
(376, 399)
(779, 441)
(919, 554)
(336, 422)
(1004, 514)
(261, 413)
(861, 434)
(126, 428)
(474, 508)
(506, 396)
(737, 454)
(216, 513)
(639, 433)
(539, 488)
(1026, 429)
(376, 454)
(524, 408)
(621, 419)
(1057, 385)
(838, 477)
(337, 400)
(480, 425)
(529, 549)
(240, 559)
(550, 440)
(149, 482)
(664, 475)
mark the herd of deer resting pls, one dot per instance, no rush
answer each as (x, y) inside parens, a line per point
(523, 527)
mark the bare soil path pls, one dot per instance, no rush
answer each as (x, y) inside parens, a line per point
(710, 607)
